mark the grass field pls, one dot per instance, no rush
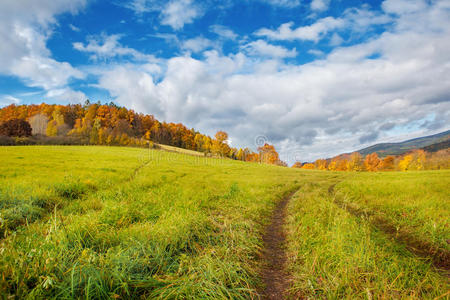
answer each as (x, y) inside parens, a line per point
(110, 222)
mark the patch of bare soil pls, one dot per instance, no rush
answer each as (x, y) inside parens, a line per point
(276, 279)
(439, 257)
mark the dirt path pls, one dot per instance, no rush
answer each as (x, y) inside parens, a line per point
(274, 276)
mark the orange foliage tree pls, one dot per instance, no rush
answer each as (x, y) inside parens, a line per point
(372, 162)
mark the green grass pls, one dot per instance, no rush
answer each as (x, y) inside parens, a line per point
(110, 222)
(334, 254)
(417, 202)
(181, 227)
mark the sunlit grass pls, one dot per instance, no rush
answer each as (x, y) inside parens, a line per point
(182, 226)
(110, 222)
(334, 254)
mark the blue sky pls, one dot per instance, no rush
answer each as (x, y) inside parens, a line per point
(315, 78)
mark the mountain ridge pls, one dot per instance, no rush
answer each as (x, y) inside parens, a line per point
(384, 149)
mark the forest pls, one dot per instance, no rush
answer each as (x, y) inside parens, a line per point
(109, 124)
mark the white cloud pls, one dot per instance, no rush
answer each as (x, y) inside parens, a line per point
(8, 99)
(313, 32)
(360, 19)
(25, 26)
(197, 44)
(44, 72)
(316, 52)
(320, 5)
(177, 13)
(174, 13)
(336, 40)
(108, 46)
(357, 20)
(143, 6)
(283, 3)
(223, 32)
(403, 6)
(66, 95)
(132, 87)
(74, 28)
(262, 48)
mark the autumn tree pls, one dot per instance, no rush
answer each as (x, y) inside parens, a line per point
(308, 166)
(404, 163)
(419, 160)
(320, 164)
(219, 145)
(252, 157)
(342, 165)
(15, 127)
(240, 155)
(38, 124)
(388, 163)
(268, 154)
(355, 162)
(297, 164)
(332, 165)
(372, 162)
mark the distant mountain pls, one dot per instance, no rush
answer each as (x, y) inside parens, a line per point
(438, 146)
(440, 141)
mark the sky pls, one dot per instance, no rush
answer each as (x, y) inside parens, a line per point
(313, 77)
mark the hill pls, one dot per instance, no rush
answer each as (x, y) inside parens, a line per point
(438, 146)
(384, 149)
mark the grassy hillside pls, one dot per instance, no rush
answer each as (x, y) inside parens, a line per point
(385, 149)
(110, 222)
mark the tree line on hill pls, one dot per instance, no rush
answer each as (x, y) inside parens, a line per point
(109, 124)
(412, 160)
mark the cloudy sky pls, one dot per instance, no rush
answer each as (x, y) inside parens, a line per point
(315, 78)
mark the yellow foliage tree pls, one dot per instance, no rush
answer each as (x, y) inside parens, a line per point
(308, 166)
(404, 163)
(355, 162)
(320, 164)
(52, 128)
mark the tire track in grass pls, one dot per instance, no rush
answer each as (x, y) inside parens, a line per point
(439, 257)
(273, 273)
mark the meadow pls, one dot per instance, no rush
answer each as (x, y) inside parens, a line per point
(116, 222)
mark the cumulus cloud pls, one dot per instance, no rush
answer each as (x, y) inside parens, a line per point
(223, 32)
(25, 26)
(283, 3)
(8, 99)
(108, 46)
(318, 109)
(173, 13)
(264, 49)
(356, 20)
(197, 44)
(320, 5)
(143, 6)
(313, 32)
(66, 95)
(177, 13)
